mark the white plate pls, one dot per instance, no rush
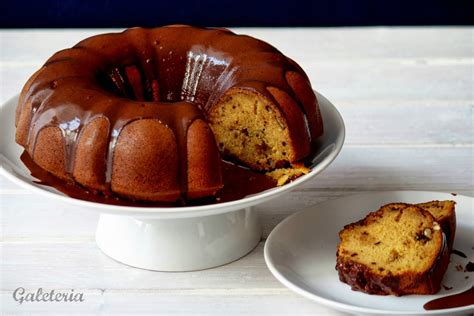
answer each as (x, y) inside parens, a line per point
(330, 146)
(301, 253)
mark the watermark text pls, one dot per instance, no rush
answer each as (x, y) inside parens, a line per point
(22, 295)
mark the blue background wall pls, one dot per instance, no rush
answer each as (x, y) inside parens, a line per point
(120, 13)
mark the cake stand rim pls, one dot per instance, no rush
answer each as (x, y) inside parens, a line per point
(335, 147)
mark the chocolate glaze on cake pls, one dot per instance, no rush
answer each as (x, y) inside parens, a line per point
(238, 182)
(168, 76)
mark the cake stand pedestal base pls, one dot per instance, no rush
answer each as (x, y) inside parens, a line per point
(181, 244)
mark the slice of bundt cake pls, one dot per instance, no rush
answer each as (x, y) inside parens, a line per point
(443, 213)
(399, 249)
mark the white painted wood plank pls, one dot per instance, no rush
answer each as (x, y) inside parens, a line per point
(375, 81)
(361, 63)
(389, 168)
(391, 81)
(386, 168)
(398, 120)
(34, 46)
(12, 80)
(357, 169)
(311, 43)
(240, 302)
(70, 225)
(370, 42)
(408, 123)
(242, 287)
(84, 266)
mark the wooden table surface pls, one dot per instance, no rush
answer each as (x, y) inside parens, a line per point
(406, 95)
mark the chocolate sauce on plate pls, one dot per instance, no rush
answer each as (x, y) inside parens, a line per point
(239, 182)
(469, 267)
(459, 253)
(457, 300)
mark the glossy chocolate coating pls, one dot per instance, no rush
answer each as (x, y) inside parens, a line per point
(173, 74)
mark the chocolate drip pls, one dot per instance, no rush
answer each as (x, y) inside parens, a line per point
(457, 300)
(469, 267)
(459, 253)
(239, 182)
(169, 73)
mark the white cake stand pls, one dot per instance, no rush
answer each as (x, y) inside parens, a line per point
(180, 238)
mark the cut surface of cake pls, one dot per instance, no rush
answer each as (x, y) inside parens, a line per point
(399, 249)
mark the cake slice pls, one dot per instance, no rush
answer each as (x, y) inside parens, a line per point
(286, 175)
(443, 213)
(399, 249)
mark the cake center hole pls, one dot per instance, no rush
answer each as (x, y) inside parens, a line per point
(130, 82)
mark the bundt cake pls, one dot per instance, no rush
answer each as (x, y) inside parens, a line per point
(147, 114)
(399, 249)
